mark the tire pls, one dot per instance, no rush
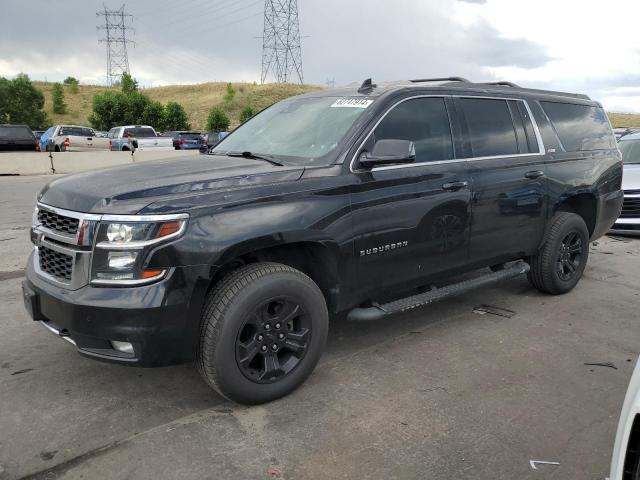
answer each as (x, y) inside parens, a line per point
(57, 148)
(240, 319)
(559, 264)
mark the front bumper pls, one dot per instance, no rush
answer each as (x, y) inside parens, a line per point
(160, 320)
(626, 226)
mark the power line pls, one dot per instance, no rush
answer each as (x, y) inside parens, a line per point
(281, 48)
(116, 40)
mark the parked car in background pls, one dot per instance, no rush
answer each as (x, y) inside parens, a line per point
(183, 140)
(17, 137)
(75, 138)
(625, 462)
(629, 221)
(211, 139)
(44, 138)
(101, 134)
(38, 134)
(137, 137)
(623, 131)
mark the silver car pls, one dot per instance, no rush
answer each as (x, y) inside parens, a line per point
(629, 221)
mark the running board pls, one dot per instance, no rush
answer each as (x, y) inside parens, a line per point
(376, 312)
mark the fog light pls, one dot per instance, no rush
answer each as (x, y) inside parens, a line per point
(122, 260)
(124, 347)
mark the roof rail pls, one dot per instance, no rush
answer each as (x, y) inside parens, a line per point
(506, 84)
(443, 79)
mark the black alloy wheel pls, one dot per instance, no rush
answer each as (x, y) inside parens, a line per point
(273, 340)
(569, 256)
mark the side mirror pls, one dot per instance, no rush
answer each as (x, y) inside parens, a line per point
(389, 152)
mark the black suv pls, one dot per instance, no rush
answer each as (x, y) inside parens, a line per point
(17, 137)
(346, 200)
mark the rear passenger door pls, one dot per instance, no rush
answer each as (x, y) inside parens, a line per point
(506, 158)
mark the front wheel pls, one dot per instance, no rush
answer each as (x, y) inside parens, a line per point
(559, 264)
(263, 330)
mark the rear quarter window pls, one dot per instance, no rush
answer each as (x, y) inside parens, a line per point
(580, 127)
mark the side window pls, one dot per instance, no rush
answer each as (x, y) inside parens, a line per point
(580, 127)
(425, 122)
(491, 129)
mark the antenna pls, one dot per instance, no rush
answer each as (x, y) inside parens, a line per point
(281, 48)
(116, 40)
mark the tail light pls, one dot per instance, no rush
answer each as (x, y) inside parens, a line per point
(37, 145)
(67, 143)
(110, 144)
(180, 141)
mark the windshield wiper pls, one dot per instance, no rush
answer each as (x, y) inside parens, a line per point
(255, 156)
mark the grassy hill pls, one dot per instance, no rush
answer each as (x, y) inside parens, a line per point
(198, 99)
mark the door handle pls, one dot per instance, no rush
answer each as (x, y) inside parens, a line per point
(534, 174)
(453, 186)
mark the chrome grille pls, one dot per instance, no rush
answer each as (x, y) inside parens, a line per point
(56, 264)
(58, 223)
(630, 208)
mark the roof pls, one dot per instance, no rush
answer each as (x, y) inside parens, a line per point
(630, 136)
(370, 89)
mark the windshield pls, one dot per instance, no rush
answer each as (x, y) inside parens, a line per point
(298, 131)
(630, 151)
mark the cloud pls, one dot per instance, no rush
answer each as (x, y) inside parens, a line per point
(199, 41)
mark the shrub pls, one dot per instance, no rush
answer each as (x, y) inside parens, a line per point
(57, 96)
(246, 113)
(218, 121)
(231, 93)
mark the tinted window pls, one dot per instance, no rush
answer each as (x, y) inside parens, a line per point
(580, 127)
(87, 132)
(139, 132)
(72, 131)
(190, 136)
(16, 133)
(425, 122)
(491, 130)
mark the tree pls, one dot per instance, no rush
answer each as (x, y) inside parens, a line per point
(21, 102)
(231, 93)
(153, 114)
(246, 113)
(218, 121)
(128, 84)
(175, 118)
(72, 83)
(57, 96)
(110, 109)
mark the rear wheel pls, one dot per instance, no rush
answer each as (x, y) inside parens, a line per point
(263, 331)
(559, 264)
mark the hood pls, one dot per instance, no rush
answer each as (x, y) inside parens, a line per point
(128, 189)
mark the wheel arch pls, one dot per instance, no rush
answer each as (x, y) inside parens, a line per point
(316, 257)
(583, 203)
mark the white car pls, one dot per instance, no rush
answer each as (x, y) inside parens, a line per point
(629, 221)
(625, 463)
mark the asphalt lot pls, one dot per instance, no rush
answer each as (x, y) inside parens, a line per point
(438, 393)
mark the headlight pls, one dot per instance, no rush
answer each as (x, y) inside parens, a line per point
(122, 245)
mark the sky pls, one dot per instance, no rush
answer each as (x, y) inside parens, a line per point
(585, 46)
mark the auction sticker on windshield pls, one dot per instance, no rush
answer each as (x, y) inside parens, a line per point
(352, 103)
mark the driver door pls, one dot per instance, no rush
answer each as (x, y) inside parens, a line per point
(412, 220)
